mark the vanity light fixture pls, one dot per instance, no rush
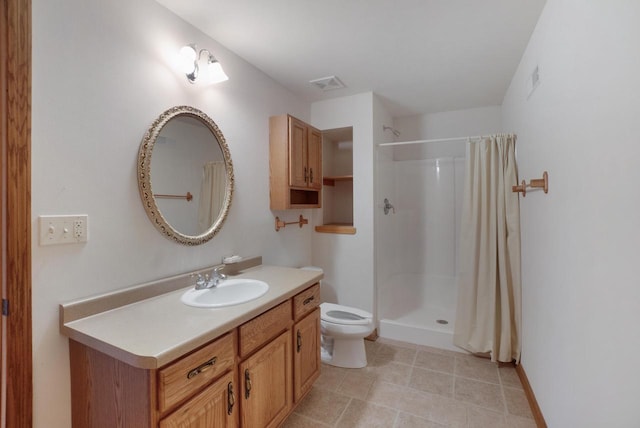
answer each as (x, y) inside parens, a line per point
(189, 57)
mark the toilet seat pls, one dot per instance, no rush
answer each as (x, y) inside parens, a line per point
(344, 315)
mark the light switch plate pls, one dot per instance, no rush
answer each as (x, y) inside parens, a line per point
(63, 229)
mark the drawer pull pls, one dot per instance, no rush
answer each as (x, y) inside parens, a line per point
(195, 372)
(310, 175)
(305, 175)
(247, 383)
(299, 342)
(231, 399)
(307, 300)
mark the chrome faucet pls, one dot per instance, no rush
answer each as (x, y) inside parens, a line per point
(210, 281)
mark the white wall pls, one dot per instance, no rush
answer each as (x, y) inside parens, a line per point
(348, 260)
(102, 72)
(447, 124)
(580, 264)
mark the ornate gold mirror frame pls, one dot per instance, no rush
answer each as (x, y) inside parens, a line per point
(145, 176)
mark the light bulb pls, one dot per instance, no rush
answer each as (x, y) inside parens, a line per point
(188, 56)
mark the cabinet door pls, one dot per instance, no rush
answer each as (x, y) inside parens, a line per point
(314, 158)
(306, 356)
(265, 380)
(298, 172)
(213, 407)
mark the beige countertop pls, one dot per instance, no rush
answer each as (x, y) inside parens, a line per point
(152, 332)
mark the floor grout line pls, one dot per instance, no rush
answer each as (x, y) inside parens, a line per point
(343, 412)
(380, 363)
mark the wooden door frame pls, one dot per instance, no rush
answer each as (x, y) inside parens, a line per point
(15, 185)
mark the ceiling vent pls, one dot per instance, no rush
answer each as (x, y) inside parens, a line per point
(328, 83)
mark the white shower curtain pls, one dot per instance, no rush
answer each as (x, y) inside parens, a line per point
(489, 289)
(212, 193)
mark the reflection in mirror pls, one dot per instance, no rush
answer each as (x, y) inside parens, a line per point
(185, 175)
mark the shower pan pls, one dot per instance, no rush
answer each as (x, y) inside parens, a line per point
(419, 193)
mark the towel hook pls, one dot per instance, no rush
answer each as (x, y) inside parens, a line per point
(388, 207)
(541, 183)
(280, 224)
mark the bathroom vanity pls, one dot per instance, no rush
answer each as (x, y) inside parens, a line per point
(141, 358)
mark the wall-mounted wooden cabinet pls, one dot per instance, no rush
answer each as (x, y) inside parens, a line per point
(295, 164)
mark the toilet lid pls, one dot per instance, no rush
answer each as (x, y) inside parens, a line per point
(339, 314)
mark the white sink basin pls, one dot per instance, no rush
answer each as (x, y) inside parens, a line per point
(229, 292)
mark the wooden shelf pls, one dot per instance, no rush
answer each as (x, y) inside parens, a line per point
(331, 180)
(345, 229)
(303, 198)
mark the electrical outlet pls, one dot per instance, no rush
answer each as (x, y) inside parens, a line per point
(63, 229)
(80, 228)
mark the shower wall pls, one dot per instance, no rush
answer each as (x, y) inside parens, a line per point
(416, 248)
(418, 242)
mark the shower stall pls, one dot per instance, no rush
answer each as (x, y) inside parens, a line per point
(419, 200)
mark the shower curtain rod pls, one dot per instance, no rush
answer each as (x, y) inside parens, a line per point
(435, 140)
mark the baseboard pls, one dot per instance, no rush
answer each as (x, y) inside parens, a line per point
(533, 403)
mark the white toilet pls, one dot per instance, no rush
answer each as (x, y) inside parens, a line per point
(343, 331)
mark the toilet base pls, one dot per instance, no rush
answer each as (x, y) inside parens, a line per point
(347, 353)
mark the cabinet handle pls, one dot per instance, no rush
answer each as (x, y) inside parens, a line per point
(247, 383)
(299, 341)
(305, 174)
(307, 300)
(230, 398)
(310, 175)
(195, 372)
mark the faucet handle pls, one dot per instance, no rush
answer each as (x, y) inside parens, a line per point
(200, 280)
(217, 271)
(217, 275)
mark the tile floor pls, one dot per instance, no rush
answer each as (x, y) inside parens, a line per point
(407, 385)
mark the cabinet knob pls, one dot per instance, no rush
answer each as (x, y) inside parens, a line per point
(299, 342)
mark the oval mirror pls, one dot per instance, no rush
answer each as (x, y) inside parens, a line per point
(185, 175)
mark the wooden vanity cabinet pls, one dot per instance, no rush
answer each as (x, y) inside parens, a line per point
(306, 357)
(265, 370)
(213, 407)
(295, 163)
(248, 377)
(189, 392)
(265, 386)
(107, 393)
(306, 341)
(178, 380)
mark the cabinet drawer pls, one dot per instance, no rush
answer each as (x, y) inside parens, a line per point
(213, 407)
(183, 378)
(306, 301)
(264, 327)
